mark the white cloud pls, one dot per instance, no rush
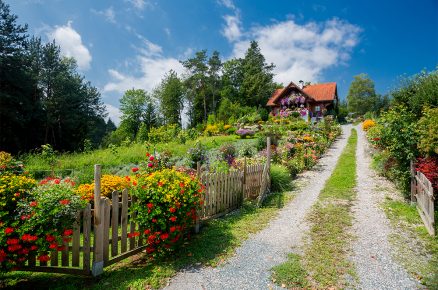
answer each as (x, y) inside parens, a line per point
(302, 52)
(167, 31)
(232, 29)
(140, 4)
(108, 13)
(227, 3)
(151, 67)
(71, 44)
(113, 113)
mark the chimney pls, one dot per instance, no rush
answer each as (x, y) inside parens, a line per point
(301, 84)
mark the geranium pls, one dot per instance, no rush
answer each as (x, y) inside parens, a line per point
(161, 210)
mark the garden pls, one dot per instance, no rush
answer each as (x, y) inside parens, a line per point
(40, 213)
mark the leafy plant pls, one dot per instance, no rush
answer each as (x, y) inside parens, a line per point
(427, 130)
(280, 178)
(167, 201)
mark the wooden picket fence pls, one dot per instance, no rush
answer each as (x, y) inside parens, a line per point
(422, 194)
(101, 234)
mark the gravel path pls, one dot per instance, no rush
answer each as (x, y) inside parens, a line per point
(372, 252)
(250, 267)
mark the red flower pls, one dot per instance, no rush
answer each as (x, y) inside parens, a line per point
(134, 183)
(150, 250)
(9, 231)
(182, 190)
(148, 154)
(147, 232)
(57, 181)
(150, 205)
(154, 220)
(13, 248)
(67, 240)
(160, 184)
(50, 238)
(151, 158)
(12, 241)
(135, 169)
(29, 238)
(164, 236)
(172, 229)
(43, 258)
(68, 232)
(150, 165)
(151, 239)
(33, 248)
(181, 184)
(3, 255)
(173, 219)
(64, 201)
(134, 234)
(53, 246)
(172, 209)
(17, 194)
(60, 248)
(33, 203)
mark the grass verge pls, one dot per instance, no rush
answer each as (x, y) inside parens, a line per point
(216, 242)
(410, 237)
(324, 263)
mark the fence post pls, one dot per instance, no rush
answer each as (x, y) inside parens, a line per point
(97, 265)
(243, 180)
(268, 162)
(413, 183)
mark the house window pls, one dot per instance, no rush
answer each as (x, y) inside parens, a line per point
(317, 108)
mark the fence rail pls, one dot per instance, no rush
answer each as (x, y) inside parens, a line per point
(100, 234)
(422, 194)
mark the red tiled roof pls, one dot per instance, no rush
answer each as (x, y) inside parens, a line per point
(321, 92)
(274, 96)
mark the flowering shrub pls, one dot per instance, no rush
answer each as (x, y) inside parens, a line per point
(243, 133)
(44, 221)
(197, 154)
(428, 132)
(13, 188)
(429, 167)
(10, 165)
(211, 130)
(228, 152)
(367, 124)
(109, 183)
(167, 201)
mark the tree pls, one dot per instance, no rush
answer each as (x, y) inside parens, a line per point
(170, 94)
(202, 83)
(257, 77)
(361, 96)
(133, 105)
(20, 101)
(232, 79)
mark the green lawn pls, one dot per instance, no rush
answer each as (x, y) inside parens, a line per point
(216, 242)
(324, 263)
(410, 237)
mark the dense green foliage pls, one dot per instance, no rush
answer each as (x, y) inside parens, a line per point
(362, 97)
(43, 99)
(408, 129)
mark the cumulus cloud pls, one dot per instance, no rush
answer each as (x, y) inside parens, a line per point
(113, 113)
(302, 52)
(232, 30)
(151, 67)
(108, 14)
(71, 44)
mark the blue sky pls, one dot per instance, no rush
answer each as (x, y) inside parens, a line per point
(120, 44)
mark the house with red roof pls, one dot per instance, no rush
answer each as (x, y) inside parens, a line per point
(316, 100)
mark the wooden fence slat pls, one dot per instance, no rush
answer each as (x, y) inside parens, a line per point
(106, 225)
(54, 258)
(76, 241)
(65, 255)
(87, 238)
(115, 224)
(124, 220)
(131, 231)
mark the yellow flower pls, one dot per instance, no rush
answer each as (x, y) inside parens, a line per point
(367, 124)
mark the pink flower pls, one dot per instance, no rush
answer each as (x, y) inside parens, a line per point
(150, 165)
(151, 158)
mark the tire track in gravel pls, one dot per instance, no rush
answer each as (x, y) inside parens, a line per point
(250, 267)
(372, 252)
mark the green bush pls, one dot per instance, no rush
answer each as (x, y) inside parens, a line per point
(427, 130)
(280, 178)
(163, 134)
